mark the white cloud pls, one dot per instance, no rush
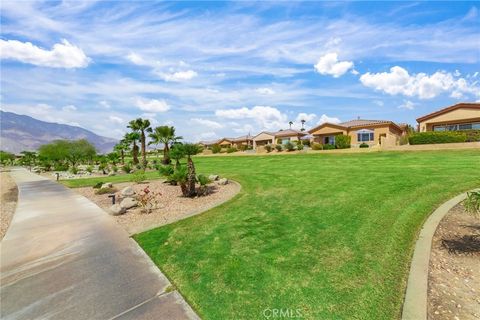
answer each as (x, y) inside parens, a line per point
(245, 129)
(69, 108)
(354, 72)
(266, 117)
(136, 59)
(305, 116)
(115, 119)
(208, 135)
(329, 65)
(152, 105)
(407, 105)
(177, 76)
(105, 104)
(424, 86)
(207, 123)
(324, 118)
(379, 103)
(265, 91)
(62, 55)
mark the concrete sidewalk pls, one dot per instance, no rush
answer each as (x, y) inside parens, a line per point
(65, 258)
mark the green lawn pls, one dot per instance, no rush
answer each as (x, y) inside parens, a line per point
(329, 234)
(121, 177)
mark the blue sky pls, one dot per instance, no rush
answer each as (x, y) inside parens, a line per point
(215, 69)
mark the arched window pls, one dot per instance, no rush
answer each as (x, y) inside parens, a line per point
(365, 135)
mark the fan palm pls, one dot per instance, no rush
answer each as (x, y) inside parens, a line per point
(131, 138)
(120, 148)
(164, 135)
(142, 126)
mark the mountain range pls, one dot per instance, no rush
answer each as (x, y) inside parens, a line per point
(21, 132)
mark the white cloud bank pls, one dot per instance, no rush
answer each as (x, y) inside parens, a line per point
(178, 76)
(421, 85)
(207, 123)
(265, 91)
(329, 65)
(324, 118)
(265, 117)
(152, 105)
(62, 55)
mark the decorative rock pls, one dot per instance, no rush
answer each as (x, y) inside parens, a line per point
(127, 192)
(128, 203)
(213, 177)
(111, 174)
(223, 181)
(106, 185)
(116, 210)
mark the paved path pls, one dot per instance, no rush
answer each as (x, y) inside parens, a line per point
(65, 258)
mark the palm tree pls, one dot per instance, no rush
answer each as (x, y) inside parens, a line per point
(190, 149)
(142, 126)
(290, 124)
(166, 136)
(120, 148)
(132, 138)
(303, 123)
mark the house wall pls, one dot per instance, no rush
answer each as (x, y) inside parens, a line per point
(461, 115)
(390, 135)
(329, 131)
(263, 139)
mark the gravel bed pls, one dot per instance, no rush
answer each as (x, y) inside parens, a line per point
(9, 196)
(172, 205)
(454, 273)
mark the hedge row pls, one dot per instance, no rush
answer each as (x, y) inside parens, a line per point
(444, 137)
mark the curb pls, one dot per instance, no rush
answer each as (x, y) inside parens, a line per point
(415, 303)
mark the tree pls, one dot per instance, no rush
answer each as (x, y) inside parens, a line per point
(6, 157)
(290, 123)
(131, 138)
(190, 149)
(121, 147)
(303, 123)
(72, 152)
(29, 158)
(142, 126)
(177, 153)
(113, 158)
(166, 136)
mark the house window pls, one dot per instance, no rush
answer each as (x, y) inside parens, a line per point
(456, 127)
(365, 135)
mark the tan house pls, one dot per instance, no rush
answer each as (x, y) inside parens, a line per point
(371, 132)
(278, 137)
(461, 116)
(239, 142)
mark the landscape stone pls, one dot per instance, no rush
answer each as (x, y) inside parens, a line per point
(213, 177)
(128, 203)
(107, 185)
(111, 174)
(127, 192)
(223, 181)
(116, 210)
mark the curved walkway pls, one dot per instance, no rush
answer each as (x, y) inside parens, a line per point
(65, 258)
(415, 303)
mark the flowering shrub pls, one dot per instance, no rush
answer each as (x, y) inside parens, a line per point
(148, 200)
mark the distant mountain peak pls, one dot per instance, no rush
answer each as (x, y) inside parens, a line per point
(22, 132)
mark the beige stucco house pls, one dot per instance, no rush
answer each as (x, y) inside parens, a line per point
(371, 132)
(239, 142)
(461, 116)
(278, 137)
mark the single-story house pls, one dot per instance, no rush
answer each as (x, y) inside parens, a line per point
(243, 141)
(278, 137)
(225, 142)
(461, 116)
(207, 144)
(371, 132)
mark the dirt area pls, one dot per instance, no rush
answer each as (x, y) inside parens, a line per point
(454, 275)
(9, 195)
(171, 206)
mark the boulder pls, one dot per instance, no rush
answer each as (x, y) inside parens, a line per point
(213, 177)
(111, 174)
(106, 185)
(128, 203)
(127, 192)
(223, 181)
(116, 210)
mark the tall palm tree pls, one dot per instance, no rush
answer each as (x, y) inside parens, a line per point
(131, 138)
(166, 136)
(142, 126)
(290, 124)
(120, 148)
(303, 123)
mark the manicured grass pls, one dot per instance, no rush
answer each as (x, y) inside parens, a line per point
(331, 235)
(90, 182)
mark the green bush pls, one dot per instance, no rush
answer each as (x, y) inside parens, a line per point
(127, 168)
(306, 142)
(203, 180)
(289, 146)
(231, 150)
(437, 137)
(98, 185)
(268, 148)
(89, 169)
(342, 141)
(472, 203)
(279, 147)
(300, 147)
(105, 190)
(364, 145)
(138, 176)
(60, 167)
(74, 170)
(216, 148)
(114, 168)
(472, 135)
(328, 147)
(317, 146)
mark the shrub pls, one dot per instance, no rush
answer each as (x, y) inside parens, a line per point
(231, 150)
(328, 147)
(114, 168)
(317, 146)
(289, 146)
(268, 148)
(74, 170)
(105, 190)
(472, 203)
(147, 200)
(306, 142)
(364, 145)
(203, 181)
(102, 167)
(437, 137)
(472, 135)
(138, 176)
(342, 141)
(279, 147)
(300, 147)
(216, 148)
(89, 169)
(60, 167)
(98, 185)
(127, 168)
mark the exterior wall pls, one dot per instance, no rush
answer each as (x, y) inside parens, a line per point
(385, 131)
(461, 115)
(325, 131)
(225, 144)
(263, 139)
